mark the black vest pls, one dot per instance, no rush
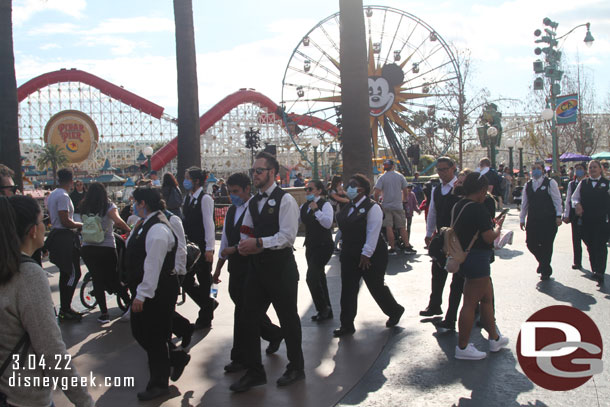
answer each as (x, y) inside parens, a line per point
(595, 201)
(316, 235)
(443, 205)
(267, 222)
(540, 204)
(353, 229)
(135, 252)
(232, 230)
(193, 220)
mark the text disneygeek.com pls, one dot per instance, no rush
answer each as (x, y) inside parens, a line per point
(64, 383)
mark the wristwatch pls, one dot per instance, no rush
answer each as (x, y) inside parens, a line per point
(259, 242)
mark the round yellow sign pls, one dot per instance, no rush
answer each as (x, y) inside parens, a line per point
(74, 132)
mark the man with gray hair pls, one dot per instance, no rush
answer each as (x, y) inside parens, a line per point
(542, 206)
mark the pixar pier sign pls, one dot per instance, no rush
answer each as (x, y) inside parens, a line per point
(73, 132)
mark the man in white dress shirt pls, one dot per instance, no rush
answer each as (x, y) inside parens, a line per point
(542, 206)
(269, 230)
(199, 227)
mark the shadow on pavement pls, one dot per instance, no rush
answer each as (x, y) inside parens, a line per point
(560, 292)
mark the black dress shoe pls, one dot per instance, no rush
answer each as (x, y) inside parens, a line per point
(393, 320)
(234, 367)
(545, 277)
(322, 316)
(599, 278)
(248, 381)
(200, 324)
(446, 325)
(290, 376)
(431, 311)
(153, 393)
(576, 266)
(177, 369)
(274, 345)
(342, 331)
(186, 339)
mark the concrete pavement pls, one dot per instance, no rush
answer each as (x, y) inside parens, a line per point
(411, 364)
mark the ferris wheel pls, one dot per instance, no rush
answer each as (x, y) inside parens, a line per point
(413, 78)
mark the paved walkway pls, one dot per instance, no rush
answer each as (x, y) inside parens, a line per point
(411, 364)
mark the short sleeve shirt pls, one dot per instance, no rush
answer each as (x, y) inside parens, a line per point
(59, 200)
(108, 226)
(475, 218)
(391, 184)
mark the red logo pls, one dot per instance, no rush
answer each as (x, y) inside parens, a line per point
(560, 348)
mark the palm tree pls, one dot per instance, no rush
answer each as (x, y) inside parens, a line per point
(357, 147)
(188, 103)
(54, 156)
(9, 127)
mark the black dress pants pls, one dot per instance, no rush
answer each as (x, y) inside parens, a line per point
(540, 236)
(317, 258)
(268, 330)
(64, 252)
(272, 279)
(576, 241)
(374, 280)
(439, 278)
(200, 291)
(152, 329)
(595, 236)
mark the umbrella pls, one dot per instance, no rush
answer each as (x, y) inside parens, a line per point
(604, 155)
(571, 157)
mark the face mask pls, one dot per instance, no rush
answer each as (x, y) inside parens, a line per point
(236, 200)
(310, 197)
(352, 192)
(188, 184)
(135, 210)
(536, 173)
(580, 173)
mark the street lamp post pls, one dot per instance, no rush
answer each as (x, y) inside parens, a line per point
(552, 72)
(519, 146)
(315, 143)
(148, 152)
(511, 163)
(492, 132)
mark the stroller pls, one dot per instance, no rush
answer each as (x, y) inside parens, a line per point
(87, 298)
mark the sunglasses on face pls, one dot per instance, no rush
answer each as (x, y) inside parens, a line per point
(309, 189)
(353, 185)
(260, 170)
(12, 188)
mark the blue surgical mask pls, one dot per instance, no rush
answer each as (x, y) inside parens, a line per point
(310, 197)
(352, 192)
(135, 210)
(536, 173)
(188, 184)
(236, 200)
(580, 173)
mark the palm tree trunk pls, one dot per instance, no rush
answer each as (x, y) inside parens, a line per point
(9, 125)
(189, 145)
(356, 138)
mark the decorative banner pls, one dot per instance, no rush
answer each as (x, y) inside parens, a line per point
(567, 109)
(74, 132)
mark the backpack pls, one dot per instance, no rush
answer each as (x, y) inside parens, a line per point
(92, 231)
(452, 247)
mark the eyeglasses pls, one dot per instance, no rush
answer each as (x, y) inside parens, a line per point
(353, 185)
(308, 189)
(438, 169)
(13, 188)
(260, 170)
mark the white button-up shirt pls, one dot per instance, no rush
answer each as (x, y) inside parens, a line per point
(431, 222)
(374, 220)
(207, 212)
(324, 216)
(553, 191)
(289, 221)
(224, 240)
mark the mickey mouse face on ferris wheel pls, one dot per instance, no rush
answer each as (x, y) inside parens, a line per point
(382, 91)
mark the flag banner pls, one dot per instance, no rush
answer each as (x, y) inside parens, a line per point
(567, 109)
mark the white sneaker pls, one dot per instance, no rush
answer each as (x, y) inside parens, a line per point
(495, 346)
(469, 353)
(126, 317)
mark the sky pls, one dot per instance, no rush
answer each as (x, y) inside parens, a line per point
(247, 44)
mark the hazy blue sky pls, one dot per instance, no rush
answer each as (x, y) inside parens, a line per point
(247, 43)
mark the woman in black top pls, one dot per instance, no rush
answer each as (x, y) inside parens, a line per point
(473, 222)
(171, 194)
(317, 216)
(364, 255)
